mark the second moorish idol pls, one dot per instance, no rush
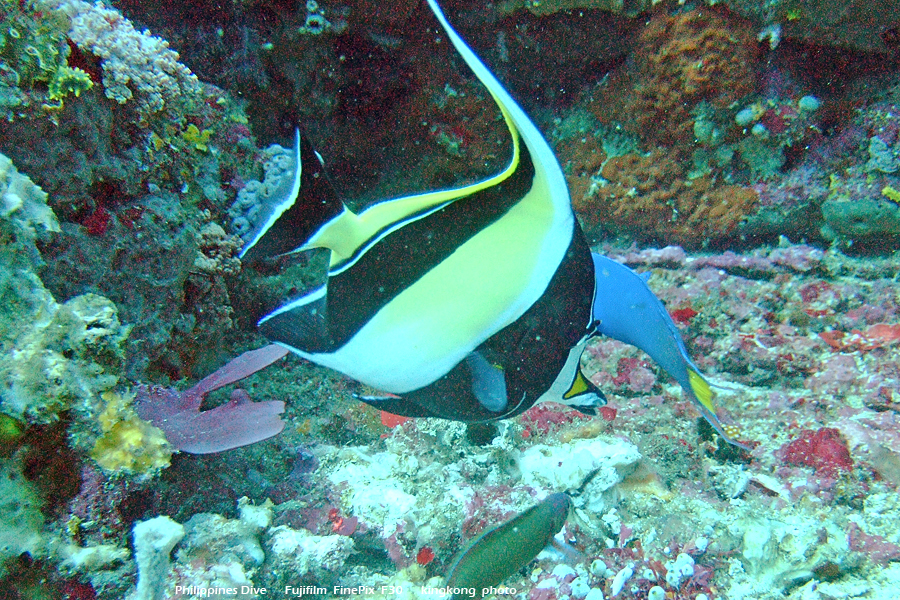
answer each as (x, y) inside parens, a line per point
(471, 303)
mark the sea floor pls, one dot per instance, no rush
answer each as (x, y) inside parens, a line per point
(802, 346)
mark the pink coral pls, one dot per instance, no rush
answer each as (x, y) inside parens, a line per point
(549, 416)
(823, 450)
(237, 423)
(635, 373)
(838, 375)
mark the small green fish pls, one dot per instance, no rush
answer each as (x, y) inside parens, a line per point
(505, 549)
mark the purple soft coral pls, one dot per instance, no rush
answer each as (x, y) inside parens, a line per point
(238, 422)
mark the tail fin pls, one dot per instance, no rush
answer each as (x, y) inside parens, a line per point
(293, 211)
(704, 395)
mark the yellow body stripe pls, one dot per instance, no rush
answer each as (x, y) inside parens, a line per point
(349, 233)
(415, 322)
(487, 282)
(579, 386)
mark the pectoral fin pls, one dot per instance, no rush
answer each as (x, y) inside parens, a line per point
(488, 382)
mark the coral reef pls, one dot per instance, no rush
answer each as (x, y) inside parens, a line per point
(63, 358)
(22, 526)
(34, 72)
(823, 450)
(866, 29)
(220, 552)
(176, 139)
(128, 443)
(55, 356)
(863, 28)
(652, 200)
(306, 557)
(125, 56)
(278, 177)
(153, 541)
(631, 8)
(733, 135)
(701, 56)
(25, 213)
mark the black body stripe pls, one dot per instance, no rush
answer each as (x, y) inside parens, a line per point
(403, 257)
(364, 245)
(532, 350)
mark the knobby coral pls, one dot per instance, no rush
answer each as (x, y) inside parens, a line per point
(700, 55)
(128, 443)
(132, 61)
(650, 197)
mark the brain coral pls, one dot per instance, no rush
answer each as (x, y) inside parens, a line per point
(685, 59)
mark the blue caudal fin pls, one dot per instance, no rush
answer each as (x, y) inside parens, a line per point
(628, 311)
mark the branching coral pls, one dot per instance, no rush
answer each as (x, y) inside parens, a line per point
(132, 61)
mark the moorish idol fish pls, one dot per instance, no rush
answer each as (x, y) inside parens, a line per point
(471, 303)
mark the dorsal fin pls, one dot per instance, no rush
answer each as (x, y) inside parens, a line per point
(313, 217)
(542, 155)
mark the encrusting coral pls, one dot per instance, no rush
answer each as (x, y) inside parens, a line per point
(128, 443)
(34, 59)
(55, 356)
(652, 199)
(700, 55)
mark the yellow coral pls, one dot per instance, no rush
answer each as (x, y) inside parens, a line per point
(156, 142)
(193, 135)
(129, 444)
(68, 80)
(891, 193)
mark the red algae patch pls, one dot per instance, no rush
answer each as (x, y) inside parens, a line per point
(823, 450)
